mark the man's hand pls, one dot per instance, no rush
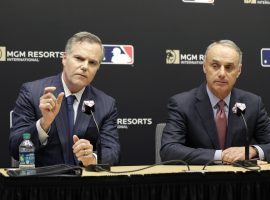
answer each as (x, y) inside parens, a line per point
(83, 150)
(49, 107)
(233, 154)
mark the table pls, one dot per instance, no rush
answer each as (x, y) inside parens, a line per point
(158, 183)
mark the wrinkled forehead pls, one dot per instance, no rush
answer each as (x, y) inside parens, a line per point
(77, 44)
(87, 48)
(222, 53)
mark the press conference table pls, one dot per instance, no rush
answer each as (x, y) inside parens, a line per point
(160, 182)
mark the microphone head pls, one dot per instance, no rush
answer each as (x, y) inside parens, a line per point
(239, 108)
(88, 107)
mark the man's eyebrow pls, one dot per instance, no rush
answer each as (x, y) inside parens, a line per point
(217, 61)
(214, 60)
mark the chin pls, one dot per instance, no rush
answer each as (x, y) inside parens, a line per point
(77, 86)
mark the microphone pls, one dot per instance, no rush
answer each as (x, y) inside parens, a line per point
(239, 109)
(88, 107)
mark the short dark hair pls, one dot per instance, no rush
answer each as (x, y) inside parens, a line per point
(81, 37)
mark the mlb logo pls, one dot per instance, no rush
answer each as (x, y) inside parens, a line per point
(265, 57)
(118, 54)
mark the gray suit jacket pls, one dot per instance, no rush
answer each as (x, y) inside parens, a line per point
(190, 133)
(26, 113)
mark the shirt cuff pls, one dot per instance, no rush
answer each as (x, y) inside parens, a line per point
(42, 135)
(260, 152)
(95, 155)
(218, 157)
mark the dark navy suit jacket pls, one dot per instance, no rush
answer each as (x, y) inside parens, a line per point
(190, 133)
(26, 113)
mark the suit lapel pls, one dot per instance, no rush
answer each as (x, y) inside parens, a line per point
(61, 120)
(205, 111)
(83, 120)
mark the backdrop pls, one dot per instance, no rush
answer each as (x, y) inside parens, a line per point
(161, 45)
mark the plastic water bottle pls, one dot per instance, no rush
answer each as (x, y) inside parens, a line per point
(26, 153)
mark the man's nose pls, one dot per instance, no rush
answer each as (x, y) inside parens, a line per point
(84, 66)
(222, 71)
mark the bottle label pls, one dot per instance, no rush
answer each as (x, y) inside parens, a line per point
(27, 158)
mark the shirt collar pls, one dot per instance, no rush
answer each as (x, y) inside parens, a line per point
(78, 95)
(214, 100)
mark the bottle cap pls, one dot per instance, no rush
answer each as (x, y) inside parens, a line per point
(26, 136)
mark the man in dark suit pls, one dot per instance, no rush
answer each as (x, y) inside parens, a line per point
(201, 125)
(62, 133)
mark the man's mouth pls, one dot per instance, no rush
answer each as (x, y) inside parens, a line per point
(84, 76)
(221, 82)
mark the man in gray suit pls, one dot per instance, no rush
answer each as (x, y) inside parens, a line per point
(201, 125)
(60, 131)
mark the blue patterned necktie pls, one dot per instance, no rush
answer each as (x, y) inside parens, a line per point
(70, 111)
(221, 123)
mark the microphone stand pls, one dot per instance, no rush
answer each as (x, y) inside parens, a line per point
(247, 162)
(99, 166)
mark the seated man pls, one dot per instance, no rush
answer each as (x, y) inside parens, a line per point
(201, 125)
(50, 110)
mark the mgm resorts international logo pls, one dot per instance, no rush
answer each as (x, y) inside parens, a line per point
(199, 1)
(27, 56)
(124, 123)
(114, 54)
(2, 53)
(174, 56)
(257, 1)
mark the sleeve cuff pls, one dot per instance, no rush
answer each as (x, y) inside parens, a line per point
(42, 135)
(260, 152)
(218, 157)
(95, 155)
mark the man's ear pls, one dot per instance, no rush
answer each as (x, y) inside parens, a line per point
(239, 70)
(204, 70)
(204, 63)
(64, 58)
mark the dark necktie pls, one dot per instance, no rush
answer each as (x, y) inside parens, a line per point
(221, 123)
(70, 111)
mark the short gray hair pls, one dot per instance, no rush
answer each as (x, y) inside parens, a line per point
(81, 37)
(227, 43)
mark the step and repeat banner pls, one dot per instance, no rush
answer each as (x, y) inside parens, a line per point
(153, 50)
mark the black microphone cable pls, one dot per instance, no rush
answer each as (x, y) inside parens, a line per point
(170, 162)
(236, 164)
